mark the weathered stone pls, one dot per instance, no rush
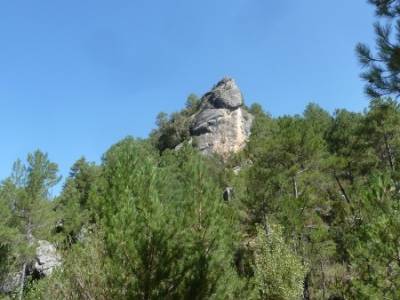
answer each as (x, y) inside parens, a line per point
(10, 283)
(47, 258)
(222, 125)
(225, 94)
(206, 120)
(236, 170)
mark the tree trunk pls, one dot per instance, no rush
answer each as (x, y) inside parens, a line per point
(295, 190)
(306, 287)
(389, 152)
(22, 282)
(323, 281)
(344, 193)
(29, 238)
(342, 189)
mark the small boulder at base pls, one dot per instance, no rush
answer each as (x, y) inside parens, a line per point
(10, 283)
(47, 258)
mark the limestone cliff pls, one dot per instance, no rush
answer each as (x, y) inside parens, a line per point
(222, 125)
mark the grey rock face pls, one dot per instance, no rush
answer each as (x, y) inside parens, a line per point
(222, 126)
(47, 258)
(225, 94)
(205, 119)
(10, 283)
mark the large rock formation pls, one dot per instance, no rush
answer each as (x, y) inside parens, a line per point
(10, 283)
(222, 125)
(47, 258)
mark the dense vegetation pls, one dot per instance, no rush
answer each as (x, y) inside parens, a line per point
(314, 212)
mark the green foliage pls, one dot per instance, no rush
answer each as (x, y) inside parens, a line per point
(175, 128)
(31, 206)
(311, 173)
(374, 249)
(151, 223)
(381, 130)
(73, 207)
(286, 157)
(389, 8)
(313, 211)
(26, 213)
(167, 232)
(383, 66)
(82, 276)
(279, 273)
(8, 234)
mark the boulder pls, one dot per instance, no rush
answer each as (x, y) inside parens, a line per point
(10, 283)
(47, 258)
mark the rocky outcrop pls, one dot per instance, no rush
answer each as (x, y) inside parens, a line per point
(10, 283)
(47, 258)
(222, 125)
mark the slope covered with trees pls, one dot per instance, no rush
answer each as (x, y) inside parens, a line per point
(314, 214)
(309, 209)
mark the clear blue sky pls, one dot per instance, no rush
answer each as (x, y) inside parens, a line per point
(78, 75)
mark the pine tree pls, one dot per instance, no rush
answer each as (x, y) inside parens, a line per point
(31, 212)
(374, 244)
(167, 231)
(9, 235)
(209, 225)
(73, 205)
(279, 273)
(383, 67)
(380, 129)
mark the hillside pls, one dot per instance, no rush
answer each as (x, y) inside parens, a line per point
(221, 200)
(310, 208)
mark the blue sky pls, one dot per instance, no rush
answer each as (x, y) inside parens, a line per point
(76, 76)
